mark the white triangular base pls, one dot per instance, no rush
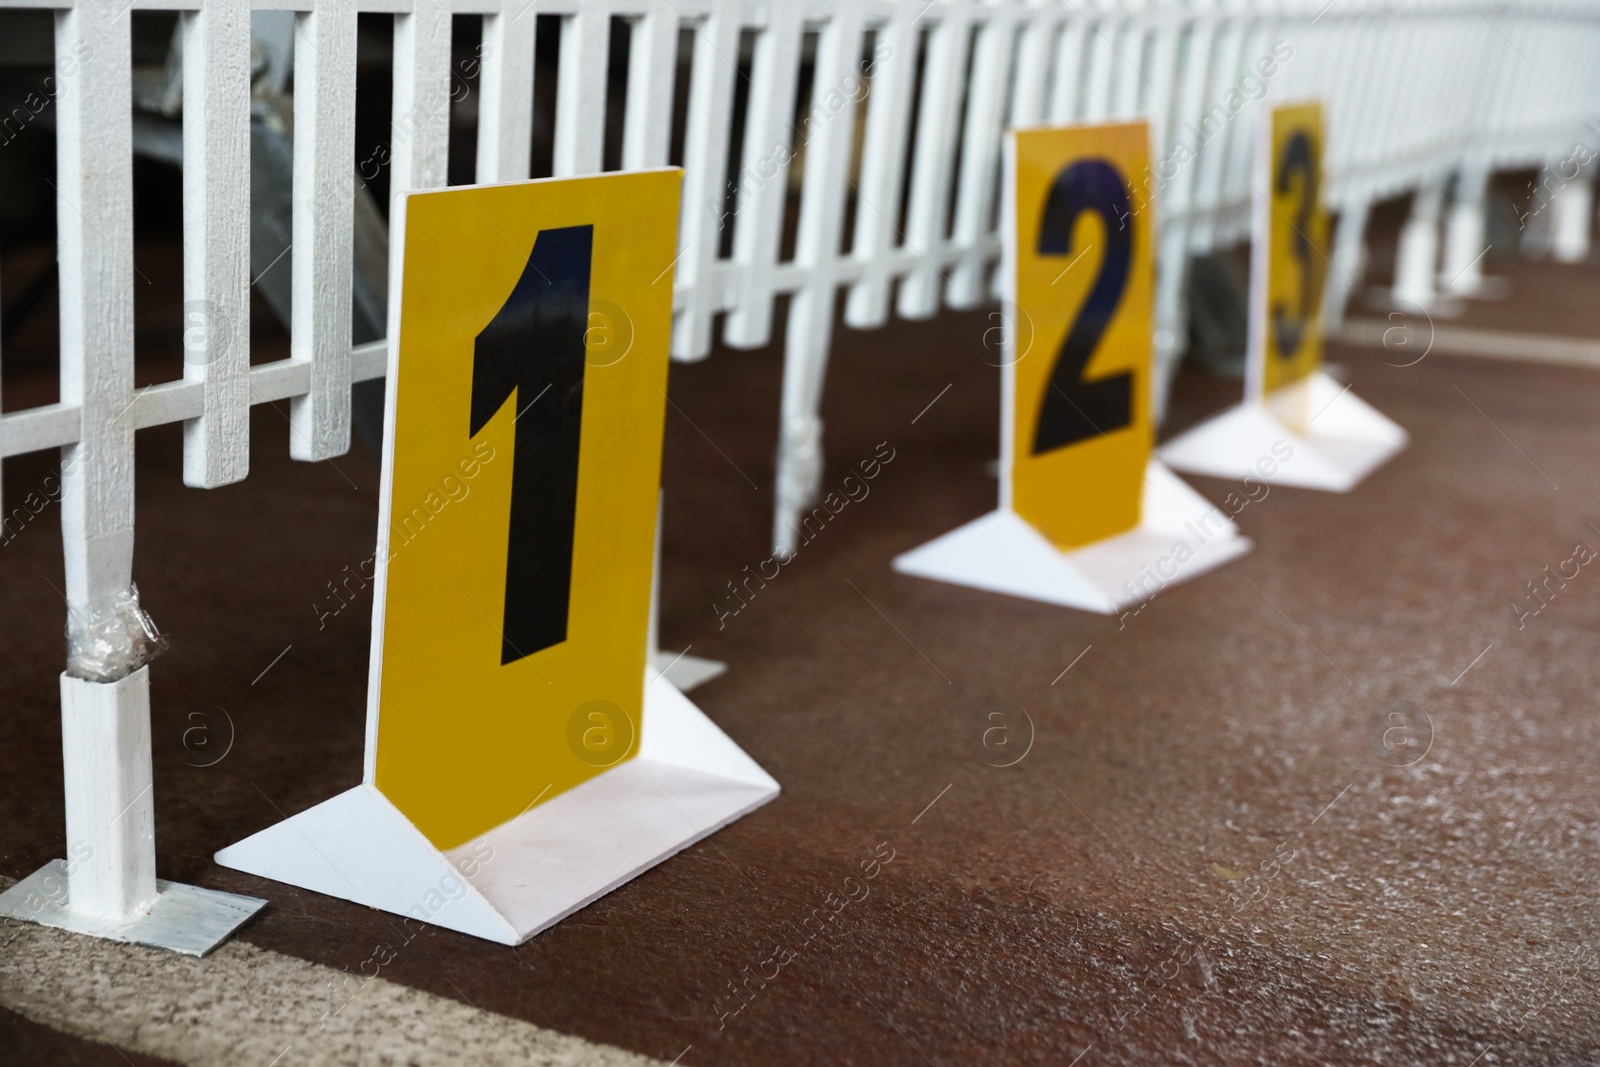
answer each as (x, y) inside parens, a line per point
(1345, 441)
(686, 672)
(1002, 553)
(688, 780)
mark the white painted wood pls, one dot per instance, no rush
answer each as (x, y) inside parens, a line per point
(581, 93)
(1066, 89)
(883, 166)
(980, 158)
(1032, 77)
(800, 458)
(35, 429)
(1099, 57)
(324, 190)
(1405, 87)
(1132, 79)
(705, 153)
(934, 161)
(105, 747)
(1572, 215)
(1462, 271)
(176, 401)
(505, 85)
(1348, 265)
(370, 360)
(1417, 259)
(216, 240)
(419, 139)
(652, 68)
(771, 140)
(94, 242)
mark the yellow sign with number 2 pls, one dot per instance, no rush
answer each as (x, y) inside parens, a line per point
(1077, 431)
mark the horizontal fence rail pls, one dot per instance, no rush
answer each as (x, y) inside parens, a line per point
(865, 181)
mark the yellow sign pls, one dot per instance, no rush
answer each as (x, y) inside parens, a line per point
(1078, 431)
(523, 462)
(1291, 256)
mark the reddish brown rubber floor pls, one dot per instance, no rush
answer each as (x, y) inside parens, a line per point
(1200, 859)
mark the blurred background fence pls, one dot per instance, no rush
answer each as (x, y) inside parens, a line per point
(841, 157)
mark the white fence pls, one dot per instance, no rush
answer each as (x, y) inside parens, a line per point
(1414, 93)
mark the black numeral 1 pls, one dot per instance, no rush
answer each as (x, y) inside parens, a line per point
(533, 350)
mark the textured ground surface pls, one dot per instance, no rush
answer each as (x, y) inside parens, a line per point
(1201, 858)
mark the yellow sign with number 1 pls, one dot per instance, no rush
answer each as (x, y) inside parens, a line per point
(518, 764)
(1077, 429)
(1290, 255)
(519, 518)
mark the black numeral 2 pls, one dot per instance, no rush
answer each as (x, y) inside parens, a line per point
(533, 349)
(1072, 409)
(1297, 156)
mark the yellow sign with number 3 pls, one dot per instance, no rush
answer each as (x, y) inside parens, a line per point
(1290, 254)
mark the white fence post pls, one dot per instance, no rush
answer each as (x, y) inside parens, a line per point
(216, 240)
(1462, 274)
(505, 85)
(705, 160)
(811, 313)
(933, 163)
(581, 93)
(324, 219)
(1349, 263)
(1572, 213)
(1417, 260)
(103, 722)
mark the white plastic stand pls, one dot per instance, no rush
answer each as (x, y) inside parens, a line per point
(685, 671)
(682, 670)
(1346, 439)
(108, 886)
(687, 781)
(1002, 553)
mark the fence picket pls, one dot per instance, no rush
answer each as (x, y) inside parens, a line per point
(216, 241)
(324, 188)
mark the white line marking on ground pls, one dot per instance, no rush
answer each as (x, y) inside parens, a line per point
(1488, 344)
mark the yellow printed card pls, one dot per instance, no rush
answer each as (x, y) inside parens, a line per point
(1289, 261)
(1077, 422)
(527, 391)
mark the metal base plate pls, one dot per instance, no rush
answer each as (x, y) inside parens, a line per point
(184, 918)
